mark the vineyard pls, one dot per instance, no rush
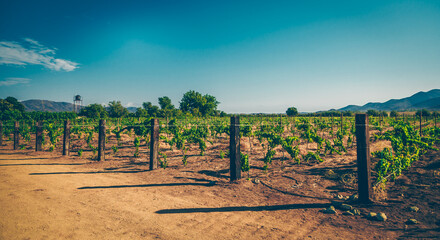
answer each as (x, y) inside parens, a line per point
(266, 143)
(287, 165)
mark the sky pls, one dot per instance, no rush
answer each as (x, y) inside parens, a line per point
(253, 56)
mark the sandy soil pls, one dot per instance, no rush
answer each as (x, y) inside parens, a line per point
(46, 196)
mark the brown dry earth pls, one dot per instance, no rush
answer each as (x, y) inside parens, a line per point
(45, 196)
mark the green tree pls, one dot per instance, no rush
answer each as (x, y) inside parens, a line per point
(165, 103)
(198, 104)
(394, 114)
(373, 113)
(140, 112)
(93, 111)
(292, 111)
(10, 104)
(116, 110)
(424, 112)
(151, 109)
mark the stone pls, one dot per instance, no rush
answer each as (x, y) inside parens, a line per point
(412, 221)
(371, 215)
(381, 217)
(256, 181)
(329, 210)
(348, 213)
(345, 207)
(355, 211)
(353, 198)
(330, 174)
(414, 209)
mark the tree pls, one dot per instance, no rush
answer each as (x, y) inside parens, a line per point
(373, 113)
(198, 104)
(151, 109)
(10, 104)
(93, 111)
(394, 114)
(165, 103)
(424, 112)
(140, 112)
(292, 111)
(116, 110)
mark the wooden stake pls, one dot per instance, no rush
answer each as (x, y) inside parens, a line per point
(363, 158)
(234, 149)
(101, 140)
(154, 143)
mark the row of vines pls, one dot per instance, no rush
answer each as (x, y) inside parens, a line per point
(300, 140)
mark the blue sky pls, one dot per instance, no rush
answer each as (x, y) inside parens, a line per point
(253, 56)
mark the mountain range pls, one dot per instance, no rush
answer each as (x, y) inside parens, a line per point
(422, 100)
(51, 106)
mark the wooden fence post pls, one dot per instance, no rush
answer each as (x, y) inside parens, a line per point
(39, 136)
(101, 140)
(234, 149)
(66, 138)
(363, 158)
(1, 133)
(154, 143)
(16, 135)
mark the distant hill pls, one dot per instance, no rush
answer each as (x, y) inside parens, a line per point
(47, 106)
(51, 106)
(422, 100)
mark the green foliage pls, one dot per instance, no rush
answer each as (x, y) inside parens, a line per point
(312, 156)
(222, 154)
(423, 112)
(407, 147)
(165, 103)
(151, 109)
(115, 149)
(292, 111)
(245, 162)
(93, 111)
(116, 110)
(198, 104)
(136, 145)
(163, 162)
(394, 114)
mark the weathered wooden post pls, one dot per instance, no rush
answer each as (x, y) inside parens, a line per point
(66, 138)
(1, 133)
(234, 149)
(363, 158)
(16, 135)
(39, 136)
(154, 143)
(101, 140)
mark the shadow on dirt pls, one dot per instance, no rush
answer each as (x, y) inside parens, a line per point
(40, 164)
(244, 209)
(218, 173)
(209, 184)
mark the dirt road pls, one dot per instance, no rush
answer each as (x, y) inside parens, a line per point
(44, 196)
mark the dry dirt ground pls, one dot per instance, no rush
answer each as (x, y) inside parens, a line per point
(46, 196)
